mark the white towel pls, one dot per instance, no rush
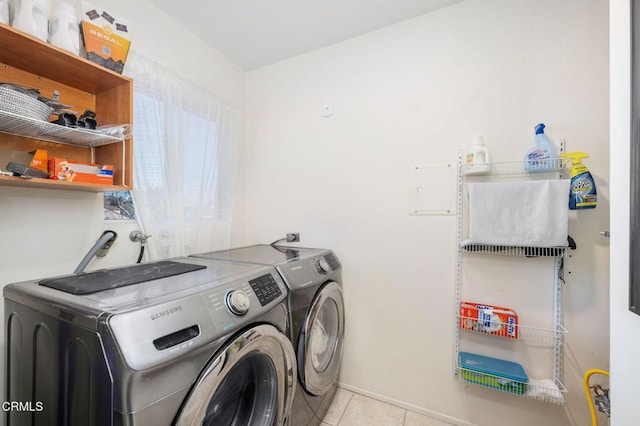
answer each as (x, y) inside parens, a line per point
(522, 214)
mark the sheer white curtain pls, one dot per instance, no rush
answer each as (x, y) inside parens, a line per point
(184, 162)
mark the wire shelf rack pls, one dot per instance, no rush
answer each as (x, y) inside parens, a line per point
(470, 247)
(14, 124)
(536, 335)
(541, 350)
(547, 390)
(513, 168)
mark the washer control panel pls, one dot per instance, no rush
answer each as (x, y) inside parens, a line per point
(265, 288)
(160, 332)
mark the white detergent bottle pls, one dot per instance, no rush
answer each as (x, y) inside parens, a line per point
(543, 157)
(4, 11)
(32, 17)
(476, 159)
(65, 28)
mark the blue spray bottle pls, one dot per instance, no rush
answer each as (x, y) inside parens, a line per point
(543, 157)
(582, 192)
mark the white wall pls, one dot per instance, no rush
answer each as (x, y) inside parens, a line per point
(413, 94)
(47, 232)
(625, 326)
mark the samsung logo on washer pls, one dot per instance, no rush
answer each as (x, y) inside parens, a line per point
(166, 312)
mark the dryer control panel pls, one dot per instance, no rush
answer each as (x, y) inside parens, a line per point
(310, 270)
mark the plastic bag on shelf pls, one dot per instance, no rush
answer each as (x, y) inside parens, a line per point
(122, 131)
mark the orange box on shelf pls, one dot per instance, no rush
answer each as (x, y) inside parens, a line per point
(72, 171)
(496, 320)
(35, 159)
(106, 37)
(39, 160)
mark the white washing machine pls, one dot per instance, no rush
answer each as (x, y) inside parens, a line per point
(184, 341)
(317, 314)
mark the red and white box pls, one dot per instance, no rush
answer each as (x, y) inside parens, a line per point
(73, 171)
(484, 318)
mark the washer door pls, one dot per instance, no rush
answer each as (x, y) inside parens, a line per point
(321, 339)
(249, 383)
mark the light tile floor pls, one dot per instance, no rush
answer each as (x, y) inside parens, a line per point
(352, 409)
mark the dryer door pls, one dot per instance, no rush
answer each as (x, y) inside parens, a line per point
(321, 339)
(250, 382)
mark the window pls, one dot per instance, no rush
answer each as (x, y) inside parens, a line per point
(184, 162)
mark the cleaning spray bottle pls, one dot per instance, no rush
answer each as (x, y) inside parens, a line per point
(582, 191)
(542, 157)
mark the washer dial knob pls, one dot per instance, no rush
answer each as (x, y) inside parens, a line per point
(323, 266)
(238, 302)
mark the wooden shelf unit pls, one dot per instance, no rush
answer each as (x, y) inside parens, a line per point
(32, 62)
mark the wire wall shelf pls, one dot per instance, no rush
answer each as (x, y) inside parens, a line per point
(31, 128)
(514, 168)
(546, 390)
(536, 335)
(470, 247)
(541, 350)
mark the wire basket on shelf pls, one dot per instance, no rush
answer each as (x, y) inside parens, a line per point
(22, 104)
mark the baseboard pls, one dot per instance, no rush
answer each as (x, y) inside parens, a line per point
(429, 413)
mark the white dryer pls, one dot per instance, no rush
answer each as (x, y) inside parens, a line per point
(317, 317)
(184, 341)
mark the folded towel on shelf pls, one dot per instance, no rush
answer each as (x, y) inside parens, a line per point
(523, 214)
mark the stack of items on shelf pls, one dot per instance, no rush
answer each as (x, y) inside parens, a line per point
(23, 101)
(106, 38)
(98, 95)
(36, 164)
(55, 21)
(24, 104)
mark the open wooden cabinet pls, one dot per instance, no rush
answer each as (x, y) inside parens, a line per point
(28, 61)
